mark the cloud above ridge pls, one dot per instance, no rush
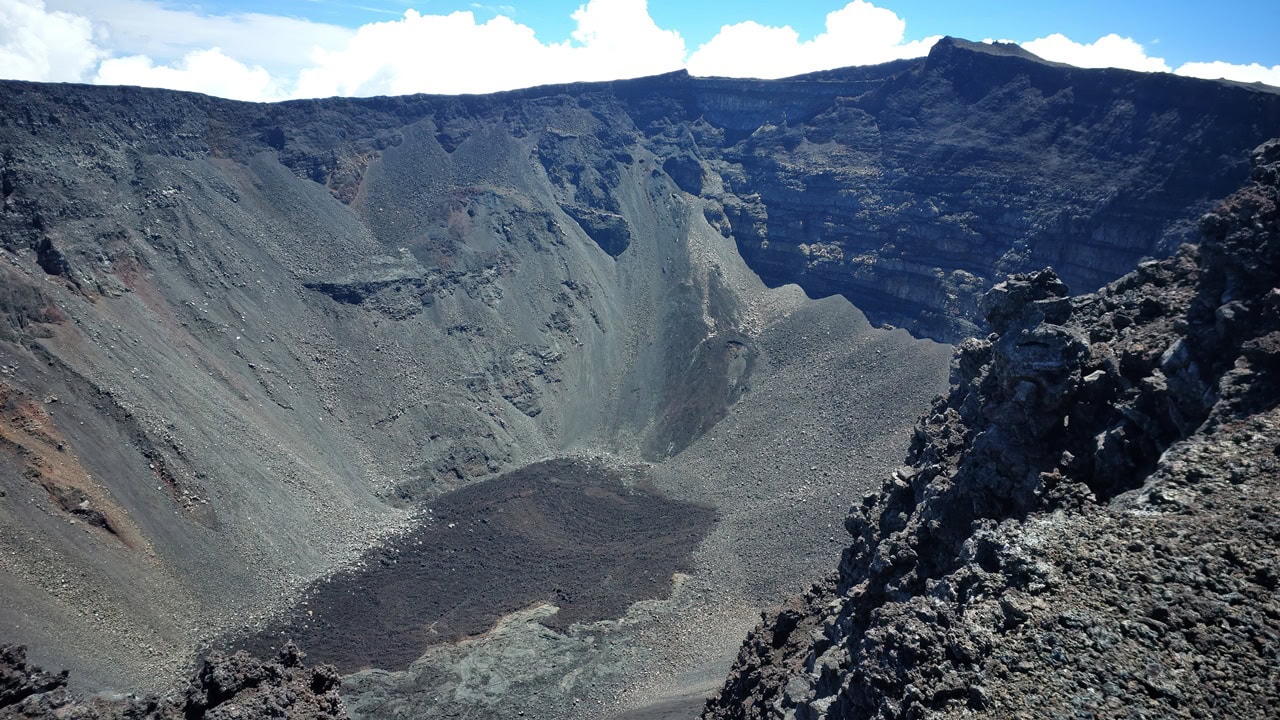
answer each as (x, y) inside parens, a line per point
(1218, 70)
(253, 56)
(207, 71)
(456, 54)
(36, 44)
(1107, 51)
(1122, 52)
(857, 34)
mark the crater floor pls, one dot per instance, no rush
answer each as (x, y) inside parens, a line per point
(574, 533)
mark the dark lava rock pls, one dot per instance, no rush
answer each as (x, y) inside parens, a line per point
(686, 171)
(225, 687)
(242, 686)
(19, 680)
(267, 321)
(1087, 523)
(609, 230)
(911, 188)
(575, 534)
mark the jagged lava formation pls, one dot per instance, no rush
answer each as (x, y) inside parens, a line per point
(235, 686)
(1087, 525)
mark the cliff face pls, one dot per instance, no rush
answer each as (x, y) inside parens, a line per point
(1086, 523)
(912, 193)
(244, 348)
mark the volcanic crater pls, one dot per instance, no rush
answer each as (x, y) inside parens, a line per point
(522, 404)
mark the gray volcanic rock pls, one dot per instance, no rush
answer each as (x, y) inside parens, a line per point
(909, 187)
(1087, 523)
(283, 334)
(236, 686)
(19, 680)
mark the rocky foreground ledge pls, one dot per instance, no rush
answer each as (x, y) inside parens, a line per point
(225, 687)
(1088, 525)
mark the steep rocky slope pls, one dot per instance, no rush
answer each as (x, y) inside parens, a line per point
(1087, 524)
(249, 352)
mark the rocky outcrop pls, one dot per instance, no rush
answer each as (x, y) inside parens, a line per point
(20, 680)
(1087, 523)
(225, 687)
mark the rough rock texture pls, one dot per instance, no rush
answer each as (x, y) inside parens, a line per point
(911, 187)
(1087, 525)
(19, 680)
(225, 687)
(583, 536)
(908, 187)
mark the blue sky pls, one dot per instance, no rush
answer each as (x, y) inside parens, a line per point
(280, 49)
(1235, 31)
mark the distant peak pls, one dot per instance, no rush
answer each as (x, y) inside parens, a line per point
(950, 44)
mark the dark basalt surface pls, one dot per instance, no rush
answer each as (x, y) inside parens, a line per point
(225, 687)
(911, 199)
(574, 534)
(1087, 523)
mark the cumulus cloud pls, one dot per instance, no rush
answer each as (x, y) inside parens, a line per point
(166, 33)
(254, 56)
(456, 54)
(620, 39)
(1107, 51)
(1219, 70)
(857, 34)
(207, 71)
(44, 45)
(1122, 52)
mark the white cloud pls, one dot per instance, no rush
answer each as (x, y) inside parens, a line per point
(1217, 69)
(37, 44)
(255, 56)
(152, 28)
(857, 34)
(619, 39)
(207, 71)
(455, 54)
(1122, 52)
(1107, 51)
